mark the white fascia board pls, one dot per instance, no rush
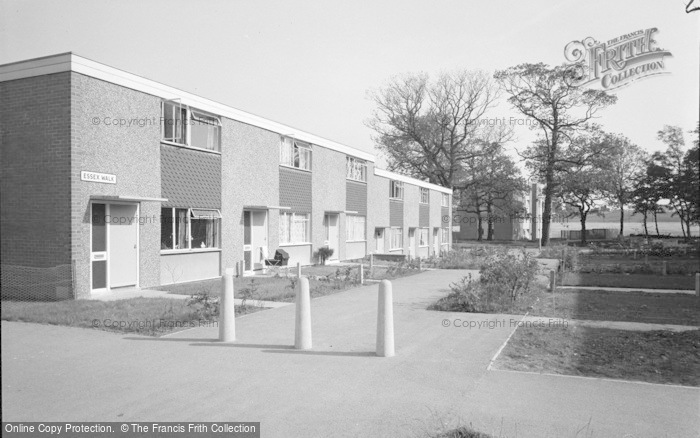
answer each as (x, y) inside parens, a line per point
(408, 180)
(35, 67)
(72, 62)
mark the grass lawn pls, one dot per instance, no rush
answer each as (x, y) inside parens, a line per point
(655, 356)
(323, 280)
(680, 309)
(642, 281)
(143, 316)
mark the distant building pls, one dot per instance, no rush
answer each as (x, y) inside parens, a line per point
(523, 224)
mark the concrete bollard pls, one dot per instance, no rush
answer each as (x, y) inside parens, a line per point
(539, 244)
(227, 312)
(552, 281)
(420, 264)
(302, 327)
(298, 270)
(697, 285)
(385, 321)
(362, 273)
(664, 267)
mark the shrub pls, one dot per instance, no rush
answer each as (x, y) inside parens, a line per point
(505, 279)
(204, 306)
(508, 273)
(248, 293)
(323, 254)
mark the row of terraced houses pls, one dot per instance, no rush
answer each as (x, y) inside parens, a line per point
(129, 183)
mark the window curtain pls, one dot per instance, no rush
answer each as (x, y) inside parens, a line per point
(182, 229)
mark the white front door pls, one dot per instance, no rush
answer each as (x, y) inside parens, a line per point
(254, 239)
(259, 239)
(380, 240)
(332, 235)
(436, 241)
(411, 243)
(122, 222)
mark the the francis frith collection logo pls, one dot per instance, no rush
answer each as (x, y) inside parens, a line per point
(617, 62)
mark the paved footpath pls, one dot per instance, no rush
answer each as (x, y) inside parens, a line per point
(340, 388)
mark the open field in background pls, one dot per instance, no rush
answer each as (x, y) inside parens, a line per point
(631, 227)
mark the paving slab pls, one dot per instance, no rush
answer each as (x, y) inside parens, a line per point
(339, 388)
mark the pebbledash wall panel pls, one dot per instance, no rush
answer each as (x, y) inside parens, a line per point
(190, 178)
(247, 182)
(328, 181)
(35, 207)
(131, 153)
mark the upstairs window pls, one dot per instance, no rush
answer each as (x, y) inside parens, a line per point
(445, 200)
(396, 190)
(356, 169)
(294, 153)
(424, 195)
(190, 127)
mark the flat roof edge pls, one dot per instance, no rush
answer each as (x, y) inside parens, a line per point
(69, 61)
(409, 180)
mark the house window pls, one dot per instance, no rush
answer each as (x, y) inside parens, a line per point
(190, 127)
(189, 228)
(424, 195)
(355, 228)
(396, 190)
(356, 169)
(422, 237)
(294, 153)
(445, 200)
(396, 241)
(445, 237)
(294, 228)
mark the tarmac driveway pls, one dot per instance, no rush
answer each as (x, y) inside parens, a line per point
(340, 388)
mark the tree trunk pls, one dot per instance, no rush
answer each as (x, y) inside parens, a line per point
(622, 220)
(656, 223)
(583, 227)
(644, 221)
(480, 230)
(489, 222)
(546, 213)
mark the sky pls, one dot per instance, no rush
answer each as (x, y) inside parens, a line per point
(309, 64)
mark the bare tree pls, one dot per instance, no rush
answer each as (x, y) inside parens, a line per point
(427, 129)
(548, 96)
